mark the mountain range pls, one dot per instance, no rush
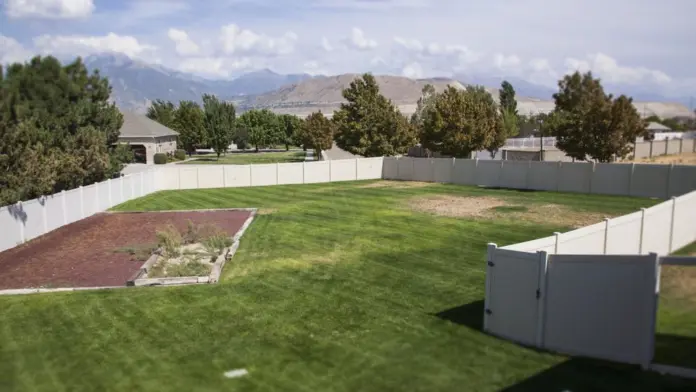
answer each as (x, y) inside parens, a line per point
(135, 84)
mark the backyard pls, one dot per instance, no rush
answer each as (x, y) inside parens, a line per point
(358, 286)
(247, 158)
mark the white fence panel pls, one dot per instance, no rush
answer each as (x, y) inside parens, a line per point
(682, 180)
(32, 215)
(546, 244)
(684, 227)
(611, 179)
(290, 173)
(54, 211)
(73, 207)
(90, 194)
(512, 283)
(514, 174)
(442, 170)
(422, 170)
(167, 177)
(543, 176)
(601, 306)
(369, 168)
(656, 229)
(343, 170)
(103, 196)
(588, 240)
(624, 234)
(211, 176)
(188, 177)
(116, 194)
(237, 175)
(673, 146)
(488, 173)
(317, 172)
(264, 175)
(464, 172)
(11, 232)
(574, 177)
(405, 168)
(390, 168)
(650, 180)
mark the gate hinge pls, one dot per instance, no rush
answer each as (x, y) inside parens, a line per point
(488, 311)
(492, 264)
(538, 293)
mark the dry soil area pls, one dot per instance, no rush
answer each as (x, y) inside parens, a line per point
(682, 159)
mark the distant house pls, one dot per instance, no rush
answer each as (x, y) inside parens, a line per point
(656, 127)
(146, 137)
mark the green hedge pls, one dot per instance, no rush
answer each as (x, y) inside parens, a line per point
(180, 155)
(160, 158)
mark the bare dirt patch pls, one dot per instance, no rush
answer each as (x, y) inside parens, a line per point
(102, 250)
(681, 159)
(397, 184)
(493, 208)
(679, 282)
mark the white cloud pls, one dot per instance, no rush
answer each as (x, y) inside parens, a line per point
(413, 71)
(610, 71)
(505, 62)
(85, 45)
(12, 51)
(359, 41)
(237, 40)
(214, 66)
(540, 65)
(50, 9)
(326, 44)
(410, 44)
(184, 45)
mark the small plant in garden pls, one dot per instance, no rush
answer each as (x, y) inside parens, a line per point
(138, 252)
(217, 242)
(169, 239)
(188, 268)
(193, 233)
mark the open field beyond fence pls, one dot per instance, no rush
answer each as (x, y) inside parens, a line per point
(365, 286)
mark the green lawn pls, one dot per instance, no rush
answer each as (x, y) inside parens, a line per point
(247, 158)
(335, 287)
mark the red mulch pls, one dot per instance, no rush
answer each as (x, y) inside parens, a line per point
(82, 254)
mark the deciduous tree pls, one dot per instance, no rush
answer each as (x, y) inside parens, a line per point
(507, 98)
(291, 126)
(369, 124)
(163, 112)
(189, 121)
(317, 133)
(462, 121)
(219, 123)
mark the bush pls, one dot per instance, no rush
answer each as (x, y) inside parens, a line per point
(160, 158)
(180, 155)
(169, 239)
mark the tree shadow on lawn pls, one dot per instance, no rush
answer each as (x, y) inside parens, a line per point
(583, 374)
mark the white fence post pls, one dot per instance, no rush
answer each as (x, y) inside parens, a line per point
(541, 296)
(558, 239)
(490, 255)
(43, 213)
(198, 176)
(592, 176)
(224, 176)
(330, 169)
(303, 172)
(82, 201)
(630, 178)
(123, 194)
(606, 234)
(178, 177)
(65, 209)
(277, 173)
(96, 197)
(111, 199)
(357, 166)
(142, 184)
(671, 224)
(642, 231)
(21, 223)
(251, 173)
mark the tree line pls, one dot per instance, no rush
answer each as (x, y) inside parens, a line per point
(58, 129)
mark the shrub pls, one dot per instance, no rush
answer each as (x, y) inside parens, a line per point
(217, 242)
(180, 155)
(169, 239)
(160, 158)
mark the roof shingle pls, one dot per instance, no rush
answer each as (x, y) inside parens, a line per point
(137, 125)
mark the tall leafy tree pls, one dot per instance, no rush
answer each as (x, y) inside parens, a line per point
(425, 103)
(189, 121)
(163, 112)
(291, 126)
(262, 127)
(589, 123)
(462, 121)
(59, 118)
(317, 133)
(219, 123)
(369, 124)
(507, 98)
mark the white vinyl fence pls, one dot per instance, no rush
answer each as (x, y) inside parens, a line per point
(24, 221)
(591, 291)
(643, 180)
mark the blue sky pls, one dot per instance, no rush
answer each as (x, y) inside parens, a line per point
(626, 42)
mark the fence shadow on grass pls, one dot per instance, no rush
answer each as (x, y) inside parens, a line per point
(470, 315)
(675, 350)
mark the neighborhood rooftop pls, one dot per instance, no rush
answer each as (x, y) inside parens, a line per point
(138, 125)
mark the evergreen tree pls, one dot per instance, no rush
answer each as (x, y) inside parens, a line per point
(507, 98)
(369, 124)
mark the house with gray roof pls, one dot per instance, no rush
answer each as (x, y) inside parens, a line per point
(146, 137)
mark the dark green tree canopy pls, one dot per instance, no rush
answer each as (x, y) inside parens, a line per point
(163, 112)
(369, 124)
(189, 121)
(57, 129)
(317, 133)
(507, 98)
(462, 121)
(263, 128)
(219, 123)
